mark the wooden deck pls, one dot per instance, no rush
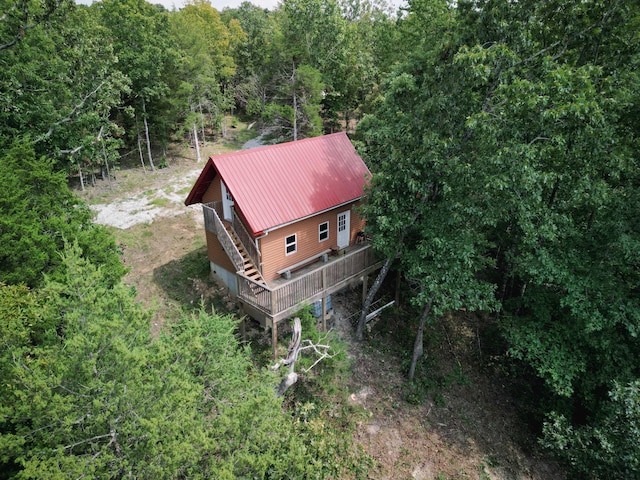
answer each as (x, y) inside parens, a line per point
(281, 298)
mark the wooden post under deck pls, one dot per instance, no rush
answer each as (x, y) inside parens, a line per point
(274, 339)
(324, 315)
(324, 300)
(274, 328)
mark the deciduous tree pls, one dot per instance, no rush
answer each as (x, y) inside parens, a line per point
(518, 115)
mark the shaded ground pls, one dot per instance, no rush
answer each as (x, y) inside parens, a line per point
(466, 427)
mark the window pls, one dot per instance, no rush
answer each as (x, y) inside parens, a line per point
(291, 244)
(323, 231)
(342, 222)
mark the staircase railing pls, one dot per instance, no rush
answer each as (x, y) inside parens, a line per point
(247, 241)
(213, 224)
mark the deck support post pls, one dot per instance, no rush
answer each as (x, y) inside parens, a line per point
(324, 299)
(324, 314)
(243, 328)
(274, 338)
(274, 327)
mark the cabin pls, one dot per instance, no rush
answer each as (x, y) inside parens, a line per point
(282, 226)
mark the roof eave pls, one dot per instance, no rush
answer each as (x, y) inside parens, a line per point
(207, 174)
(277, 227)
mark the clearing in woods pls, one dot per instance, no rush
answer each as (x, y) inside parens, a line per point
(466, 428)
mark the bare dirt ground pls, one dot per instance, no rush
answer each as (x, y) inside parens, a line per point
(466, 430)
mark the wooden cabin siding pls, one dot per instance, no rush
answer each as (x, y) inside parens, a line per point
(214, 192)
(357, 222)
(272, 246)
(217, 254)
(215, 251)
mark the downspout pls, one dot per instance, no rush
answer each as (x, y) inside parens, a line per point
(264, 234)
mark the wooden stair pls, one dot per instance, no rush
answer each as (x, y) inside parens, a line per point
(250, 270)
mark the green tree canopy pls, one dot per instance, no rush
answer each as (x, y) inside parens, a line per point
(59, 83)
(86, 392)
(516, 116)
(39, 213)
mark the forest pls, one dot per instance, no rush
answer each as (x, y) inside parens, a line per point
(504, 141)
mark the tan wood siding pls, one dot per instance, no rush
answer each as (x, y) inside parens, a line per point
(214, 249)
(214, 192)
(357, 222)
(217, 254)
(274, 257)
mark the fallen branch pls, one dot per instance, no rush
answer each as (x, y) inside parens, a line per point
(293, 352)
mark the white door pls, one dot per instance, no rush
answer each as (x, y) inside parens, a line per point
(227, 202)
(344, 228)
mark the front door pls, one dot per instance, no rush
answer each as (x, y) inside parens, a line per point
(344, 228)
(227, 202)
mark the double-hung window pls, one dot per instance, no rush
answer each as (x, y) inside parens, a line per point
(291, 244)
(323, 231)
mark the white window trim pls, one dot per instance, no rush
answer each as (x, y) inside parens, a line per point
(320, 232)
(294, 243)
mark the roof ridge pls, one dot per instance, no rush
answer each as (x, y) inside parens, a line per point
(277, 145)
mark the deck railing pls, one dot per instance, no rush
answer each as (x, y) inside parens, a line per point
(320, 281)
(213, 224)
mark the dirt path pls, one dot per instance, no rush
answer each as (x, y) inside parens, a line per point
(165, 199)
(468, 430)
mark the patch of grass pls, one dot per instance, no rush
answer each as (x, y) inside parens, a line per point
(482, 472)
(135, 237)
(429, 380)
(240, 136)
(184, 191)
(186, 281)
(159, 202)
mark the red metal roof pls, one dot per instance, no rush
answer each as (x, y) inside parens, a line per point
(279, 184)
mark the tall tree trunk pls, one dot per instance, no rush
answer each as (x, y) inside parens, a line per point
(370, 296)
(204, 138)
(295, 117)
(381, 276)
(146, 133)
(418, 345)
(140, 147)
(195, 140)
(81, 179)
(106, 162)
